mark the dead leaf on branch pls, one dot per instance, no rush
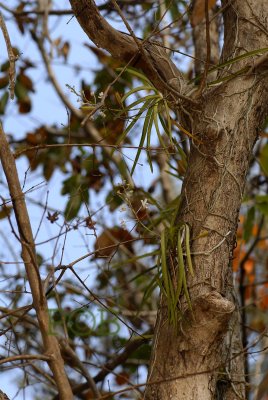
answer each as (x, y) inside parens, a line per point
(109, 241)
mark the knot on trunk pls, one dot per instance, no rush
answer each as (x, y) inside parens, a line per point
(213, 306)
(208, 322)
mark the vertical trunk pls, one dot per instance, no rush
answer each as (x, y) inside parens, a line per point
(203, 360)
(210, 205)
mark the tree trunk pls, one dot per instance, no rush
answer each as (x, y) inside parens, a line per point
(203, 359)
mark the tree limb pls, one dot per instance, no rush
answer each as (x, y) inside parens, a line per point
(51, 346)
(11, 56)
(152, 59)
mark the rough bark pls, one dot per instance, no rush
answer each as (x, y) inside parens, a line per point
(200, 43)
(228, 126)
(202, 359)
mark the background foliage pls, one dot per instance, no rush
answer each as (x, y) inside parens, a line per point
(101, 159)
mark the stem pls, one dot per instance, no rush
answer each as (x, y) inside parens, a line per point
(50, 343)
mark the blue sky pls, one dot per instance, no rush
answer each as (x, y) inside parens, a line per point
(48, 109)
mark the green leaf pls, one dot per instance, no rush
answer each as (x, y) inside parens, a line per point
(131, 125)
(164, 125)
(161, 141)
(153, 253)
(248, 225)
(5, 66)
(150, 289)
(71, 184)
(142, 100)
(3, 102)
(135, 73)
(113, 199)
(188, 250)
(262, 203)
(264, 159)
(143, 137)
(232, 61)
(165, 272)
(21, 91)
(181, 270)
(168, 120)
(73, 206)
(149, 131)
(5, 211)
(137, 89)
(179, 148)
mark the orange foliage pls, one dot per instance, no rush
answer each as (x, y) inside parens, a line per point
(122, 378)
(249, 266)
(262, 301)
(238, 255)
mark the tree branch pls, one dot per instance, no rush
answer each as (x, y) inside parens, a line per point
(24, 357)
(12, 58)
(51, 346)
(152, 59)
(88, 126)
(118, 359)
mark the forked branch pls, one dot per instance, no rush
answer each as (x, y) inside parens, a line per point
(148, 56)
(50, 343)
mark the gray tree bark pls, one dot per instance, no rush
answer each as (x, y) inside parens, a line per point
(203, 358)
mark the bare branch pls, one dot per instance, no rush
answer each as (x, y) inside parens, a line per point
(3, 396)
(11, 56)
(76, 362)
(206, 43)
(25, 357)
(51, 346)
(88, 126)
(149, 57)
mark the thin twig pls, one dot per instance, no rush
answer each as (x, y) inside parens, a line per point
(11, 56)
(105, 94)
(50, 343)
(25, 357)
(93, 145)
(208, 252)
(90, 129)
(207, 63)
(66, 348)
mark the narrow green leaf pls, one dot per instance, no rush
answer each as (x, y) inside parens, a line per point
(163, 124)
(135, 73)
(149, 289)
(264, 159)
(142, 100)
(165, 272)
(137, 89)
(262, 203)
(142, 140)
(149, 131)
(172, 174)
(133, 122)
(181, 271)
(134, 259)
(248, 225)
(188, 250)
(168, 121)
(161, 141)
(3, 102)
(179, 148)
(232, 61)
(186, 292)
